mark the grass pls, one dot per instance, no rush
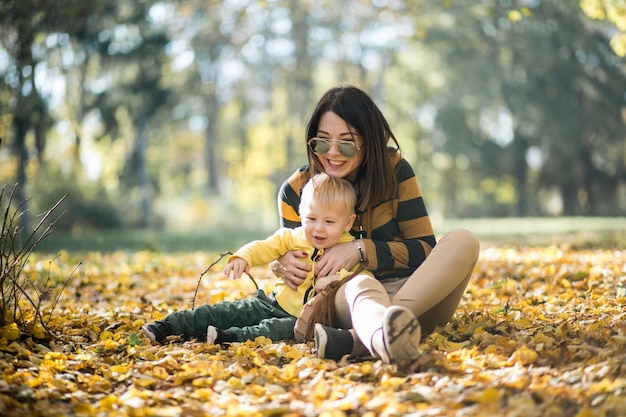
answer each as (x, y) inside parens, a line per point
(216, 239)
(581, 232)
(578, 232)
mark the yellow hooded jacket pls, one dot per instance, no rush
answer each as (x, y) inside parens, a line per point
(262, 252)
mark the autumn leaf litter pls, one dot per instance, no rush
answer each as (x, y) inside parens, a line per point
(540, 332)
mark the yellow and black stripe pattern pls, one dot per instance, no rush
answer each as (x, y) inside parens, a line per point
(397, 233)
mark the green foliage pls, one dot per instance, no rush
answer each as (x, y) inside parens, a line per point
(204, 239)
(549, 72)
(88, 206)
(524, 95)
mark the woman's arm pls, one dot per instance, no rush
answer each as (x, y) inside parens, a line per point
(290, 267)
(400, 232)
(289, 198)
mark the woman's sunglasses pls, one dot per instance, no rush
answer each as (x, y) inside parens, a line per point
(322, 146)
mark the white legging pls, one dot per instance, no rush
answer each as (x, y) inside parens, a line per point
(432, 292)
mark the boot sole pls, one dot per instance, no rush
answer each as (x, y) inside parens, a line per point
(402, 333)
(320, 339)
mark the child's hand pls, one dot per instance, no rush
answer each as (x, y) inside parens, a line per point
(236, 267)
(322, 282)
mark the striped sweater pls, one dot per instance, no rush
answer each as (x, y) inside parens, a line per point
(397, 233)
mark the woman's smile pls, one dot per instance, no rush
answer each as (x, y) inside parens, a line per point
(333, 127)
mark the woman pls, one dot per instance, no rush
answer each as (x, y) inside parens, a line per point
(417, 281)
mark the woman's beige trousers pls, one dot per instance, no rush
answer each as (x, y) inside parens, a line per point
(433, 292)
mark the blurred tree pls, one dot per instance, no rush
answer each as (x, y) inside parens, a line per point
(533, 76)
(496, 103)
(213, 28)
(572, 97)
(138, 89)
(128, 49)
(615, 12)
(299, 85)
(31, 31)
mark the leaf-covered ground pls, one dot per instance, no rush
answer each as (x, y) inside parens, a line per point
(540, 332)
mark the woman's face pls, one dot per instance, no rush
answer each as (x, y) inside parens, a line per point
(334, 128)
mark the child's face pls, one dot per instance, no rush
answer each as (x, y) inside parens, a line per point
(324, 225)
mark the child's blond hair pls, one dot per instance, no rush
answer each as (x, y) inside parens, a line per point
(327, 190)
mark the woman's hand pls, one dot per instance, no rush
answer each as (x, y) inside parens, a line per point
(342, 255)
(291, 268)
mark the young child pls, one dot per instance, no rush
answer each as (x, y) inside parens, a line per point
(327, 214)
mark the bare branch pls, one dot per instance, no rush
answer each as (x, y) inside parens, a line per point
(193, 301)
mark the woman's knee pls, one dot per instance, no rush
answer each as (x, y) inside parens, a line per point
(465, 240)
(362, 283)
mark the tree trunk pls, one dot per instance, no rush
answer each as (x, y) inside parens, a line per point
(142, 169)
(520, 172)
(20, 127)
(211, 143)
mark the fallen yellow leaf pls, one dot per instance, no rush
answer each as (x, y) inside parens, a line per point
(10, 332)
(523, 356)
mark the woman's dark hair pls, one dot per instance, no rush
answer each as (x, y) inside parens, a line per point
(375, 181)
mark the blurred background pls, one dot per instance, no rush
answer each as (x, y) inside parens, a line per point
(186, 116)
